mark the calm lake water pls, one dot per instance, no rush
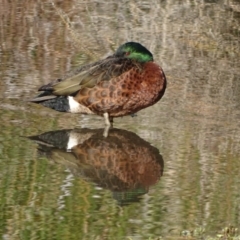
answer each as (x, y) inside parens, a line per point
(172, 170)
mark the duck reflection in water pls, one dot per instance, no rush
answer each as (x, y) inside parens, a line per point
(123, 162)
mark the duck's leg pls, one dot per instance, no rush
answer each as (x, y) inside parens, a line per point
(108, 124)
(106, 118)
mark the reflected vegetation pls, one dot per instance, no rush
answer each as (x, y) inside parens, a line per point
(123, 162)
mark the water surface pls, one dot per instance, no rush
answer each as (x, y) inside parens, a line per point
(190, 139)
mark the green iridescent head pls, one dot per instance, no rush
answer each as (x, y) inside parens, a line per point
(134, 51)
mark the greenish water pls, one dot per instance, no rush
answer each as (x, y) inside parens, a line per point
(174, 167)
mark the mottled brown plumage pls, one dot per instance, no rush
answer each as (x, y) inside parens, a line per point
(137, 88)
(119, 85)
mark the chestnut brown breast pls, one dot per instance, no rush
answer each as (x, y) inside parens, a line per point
(130, 92)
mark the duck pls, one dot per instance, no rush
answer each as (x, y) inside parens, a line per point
(121, 84)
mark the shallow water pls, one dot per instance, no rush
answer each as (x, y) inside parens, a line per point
(173, 169)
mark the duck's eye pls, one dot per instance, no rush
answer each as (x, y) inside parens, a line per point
(127, 53)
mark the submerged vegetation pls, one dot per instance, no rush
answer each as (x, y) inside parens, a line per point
(227, 233)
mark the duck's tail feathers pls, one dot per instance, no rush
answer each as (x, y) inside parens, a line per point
(58, 103)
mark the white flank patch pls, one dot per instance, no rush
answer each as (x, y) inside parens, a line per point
(72, 141)
(73, 105)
